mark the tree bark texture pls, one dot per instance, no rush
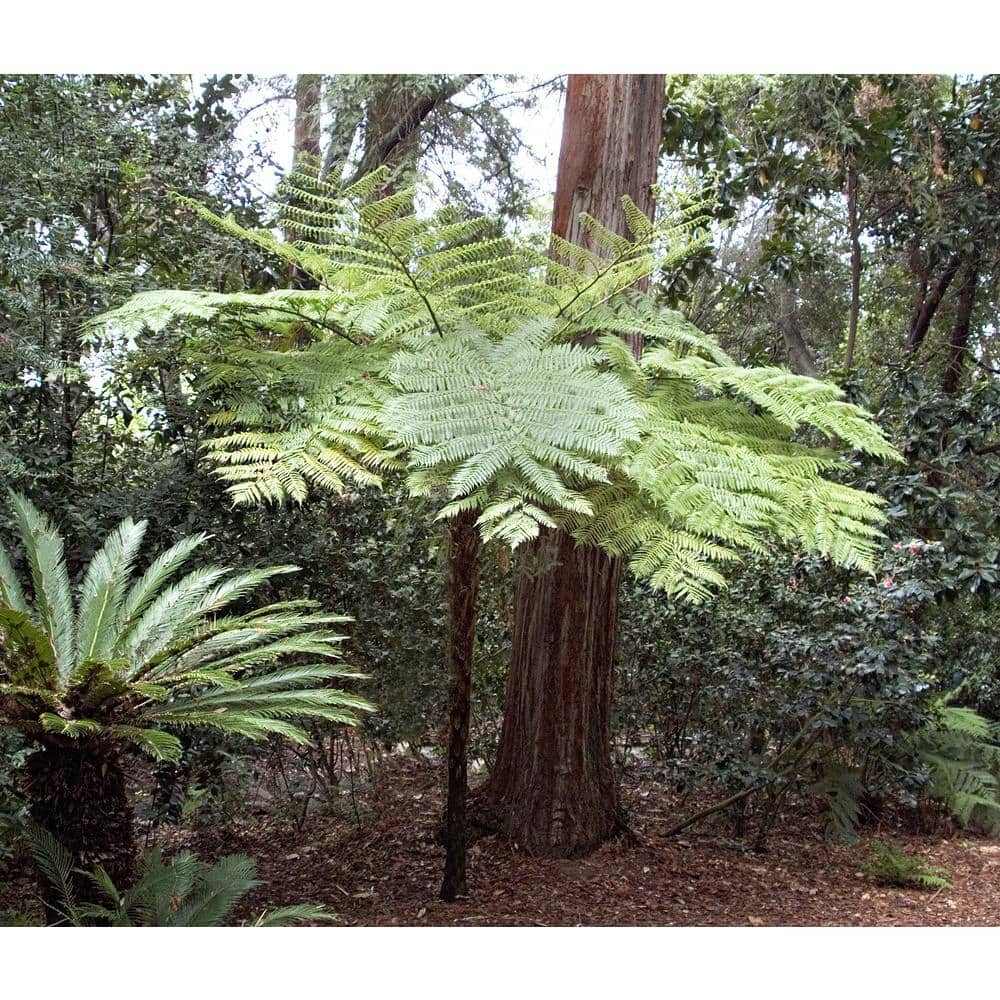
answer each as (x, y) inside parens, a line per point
(924, 313)
(854, 223)
(394, 121)
(464, 544)
(553, 790)
(800, 358)
(78, 793)
(959, 341)
(308, 88)
(306, 150)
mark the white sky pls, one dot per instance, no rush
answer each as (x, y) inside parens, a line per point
(272, 125)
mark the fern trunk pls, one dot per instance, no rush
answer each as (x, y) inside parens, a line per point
(553, 789)
(464, 544)
(77, 791)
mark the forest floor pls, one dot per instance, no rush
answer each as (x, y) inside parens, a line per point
(386, 870)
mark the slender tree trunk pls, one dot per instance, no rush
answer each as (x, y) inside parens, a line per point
(553, 789)
(78, 793)
(308, 109)
(464, 544)
(306, 152)
(959, 340)
(855, 233)
(924, 314)
(395, 118)
(800, 358)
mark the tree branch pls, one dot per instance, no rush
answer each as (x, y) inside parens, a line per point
(412, 119)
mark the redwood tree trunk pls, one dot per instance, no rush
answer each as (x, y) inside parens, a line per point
(553, 790)
(78, 793)
(464, 544)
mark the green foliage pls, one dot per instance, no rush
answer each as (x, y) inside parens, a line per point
(961, 753)
(715, 700)
(184, 893)
(135, 655)
(86, 165)
(13, 805)
(891, 865)
(481, 420)
(427, 312)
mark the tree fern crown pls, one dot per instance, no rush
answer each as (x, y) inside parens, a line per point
(437, 345)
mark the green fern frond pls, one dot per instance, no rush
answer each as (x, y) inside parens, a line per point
(444, 348)
(892, 865)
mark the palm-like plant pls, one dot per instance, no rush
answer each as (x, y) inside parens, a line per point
(131, 656)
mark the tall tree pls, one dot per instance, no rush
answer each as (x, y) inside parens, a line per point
(553, 789)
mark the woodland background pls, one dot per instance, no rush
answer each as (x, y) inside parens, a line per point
(854, 236)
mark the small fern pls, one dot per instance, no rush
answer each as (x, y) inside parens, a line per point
(891, 865)
(183, 893)
(842, 788)
(961, 753)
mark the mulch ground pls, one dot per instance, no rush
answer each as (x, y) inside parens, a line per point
(386, 871)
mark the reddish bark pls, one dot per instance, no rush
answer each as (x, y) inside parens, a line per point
(553, 790)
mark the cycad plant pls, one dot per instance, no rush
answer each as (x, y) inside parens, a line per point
(131, 658)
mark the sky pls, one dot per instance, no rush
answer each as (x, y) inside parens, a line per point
(272, 125)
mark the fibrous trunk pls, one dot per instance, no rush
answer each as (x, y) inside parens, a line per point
(464, 544)
(78, 793)
(553, 790)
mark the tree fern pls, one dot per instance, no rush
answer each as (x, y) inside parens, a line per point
(444, 348)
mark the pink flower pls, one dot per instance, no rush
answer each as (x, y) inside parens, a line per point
(847, 600)
(898, 546)
(888, 582)
(914, 546)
